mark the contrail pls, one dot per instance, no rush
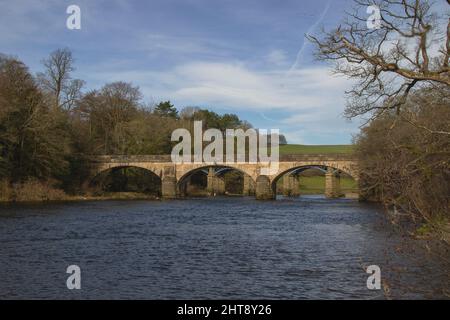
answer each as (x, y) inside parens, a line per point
(267, 118)
(302, 49)
(305, 43)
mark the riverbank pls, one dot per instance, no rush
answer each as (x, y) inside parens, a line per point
(435, 231)
(36, 191)
(76, 198)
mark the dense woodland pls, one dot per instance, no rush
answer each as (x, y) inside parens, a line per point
(406, 166)
(49, 126)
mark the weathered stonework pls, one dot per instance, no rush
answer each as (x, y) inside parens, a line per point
(291, 185)
(249, 186)
(169, 187)
(215, 185)
(332, 184)
(163, 167)
(264, 188)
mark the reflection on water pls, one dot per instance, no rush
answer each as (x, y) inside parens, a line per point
(305, 248)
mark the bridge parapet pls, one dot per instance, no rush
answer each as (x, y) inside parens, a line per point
(130, 158)
(166, 158)
(317, 157)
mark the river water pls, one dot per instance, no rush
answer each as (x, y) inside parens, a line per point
(306, 248)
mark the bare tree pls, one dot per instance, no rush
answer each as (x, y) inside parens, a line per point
(108, 111)
(408, 49)
(57, 81)
(33, 141)
(188, 112)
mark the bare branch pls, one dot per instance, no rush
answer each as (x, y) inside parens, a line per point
(388, 63)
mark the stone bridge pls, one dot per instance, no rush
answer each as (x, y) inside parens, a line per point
(175, 176)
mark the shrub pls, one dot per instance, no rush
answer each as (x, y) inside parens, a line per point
(405, 158)
(33, 190)
(6, 192)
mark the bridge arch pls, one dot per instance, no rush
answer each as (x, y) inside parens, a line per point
(322, 167)
(174, 174)
(332, 178)
(149, 180)
(102, 170)
(215, 179)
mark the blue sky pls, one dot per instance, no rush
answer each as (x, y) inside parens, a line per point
(244, 57)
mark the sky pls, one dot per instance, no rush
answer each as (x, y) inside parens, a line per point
(247, 57)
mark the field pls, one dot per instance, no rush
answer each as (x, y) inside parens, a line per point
(316, 185)
(311, 183)
(315, 149)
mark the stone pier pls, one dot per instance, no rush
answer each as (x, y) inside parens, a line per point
(249, 186)
(264, 189)
(332, 184)
(182, 189)
(218, 185)
(210, 181)
(169, 183)
(215, 184)
(291, 185)
(296, 186)
(169, 187)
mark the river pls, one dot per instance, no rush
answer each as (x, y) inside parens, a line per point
(229, 248)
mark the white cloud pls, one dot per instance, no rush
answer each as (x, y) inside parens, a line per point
(232, 85)
(312, 98)
(163, 44)
(277, 58)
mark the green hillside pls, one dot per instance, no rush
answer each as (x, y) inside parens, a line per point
(312, 149)
(316, 185)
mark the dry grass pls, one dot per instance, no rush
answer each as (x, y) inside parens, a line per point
(31, 190)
